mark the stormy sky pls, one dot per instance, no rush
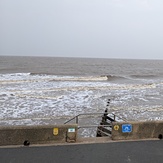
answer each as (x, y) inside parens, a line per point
(82, 28)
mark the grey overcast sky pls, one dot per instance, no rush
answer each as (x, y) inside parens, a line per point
(82, 28)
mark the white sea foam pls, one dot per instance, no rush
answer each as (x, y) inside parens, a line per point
(40, 99)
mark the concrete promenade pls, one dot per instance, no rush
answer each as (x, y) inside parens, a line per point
(145, 151)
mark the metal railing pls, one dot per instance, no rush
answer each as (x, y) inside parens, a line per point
(77, 117)
(104, 128)
(91, 126)
(86, 114)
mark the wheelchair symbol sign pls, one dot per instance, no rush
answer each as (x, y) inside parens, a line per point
(126, 128)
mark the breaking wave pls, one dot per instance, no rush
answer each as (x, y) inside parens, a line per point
(20, 77)
(38, 77)
(113, 77)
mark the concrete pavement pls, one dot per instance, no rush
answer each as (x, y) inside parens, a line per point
(146, 151)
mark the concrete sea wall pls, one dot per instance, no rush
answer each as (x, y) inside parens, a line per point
(26, 135)
(137, 130)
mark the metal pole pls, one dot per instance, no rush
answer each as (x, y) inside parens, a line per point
(77, 120)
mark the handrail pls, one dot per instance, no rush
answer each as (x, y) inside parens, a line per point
(119, 117)
(76, 117)
(90, 126)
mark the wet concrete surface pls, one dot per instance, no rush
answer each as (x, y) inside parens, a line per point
(150, 151)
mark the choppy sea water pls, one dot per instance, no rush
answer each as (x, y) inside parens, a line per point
(41, 95)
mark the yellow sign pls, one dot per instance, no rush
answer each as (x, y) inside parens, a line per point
(55, 131)
(116, 127)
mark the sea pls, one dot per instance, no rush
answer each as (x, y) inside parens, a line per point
(52, 90)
